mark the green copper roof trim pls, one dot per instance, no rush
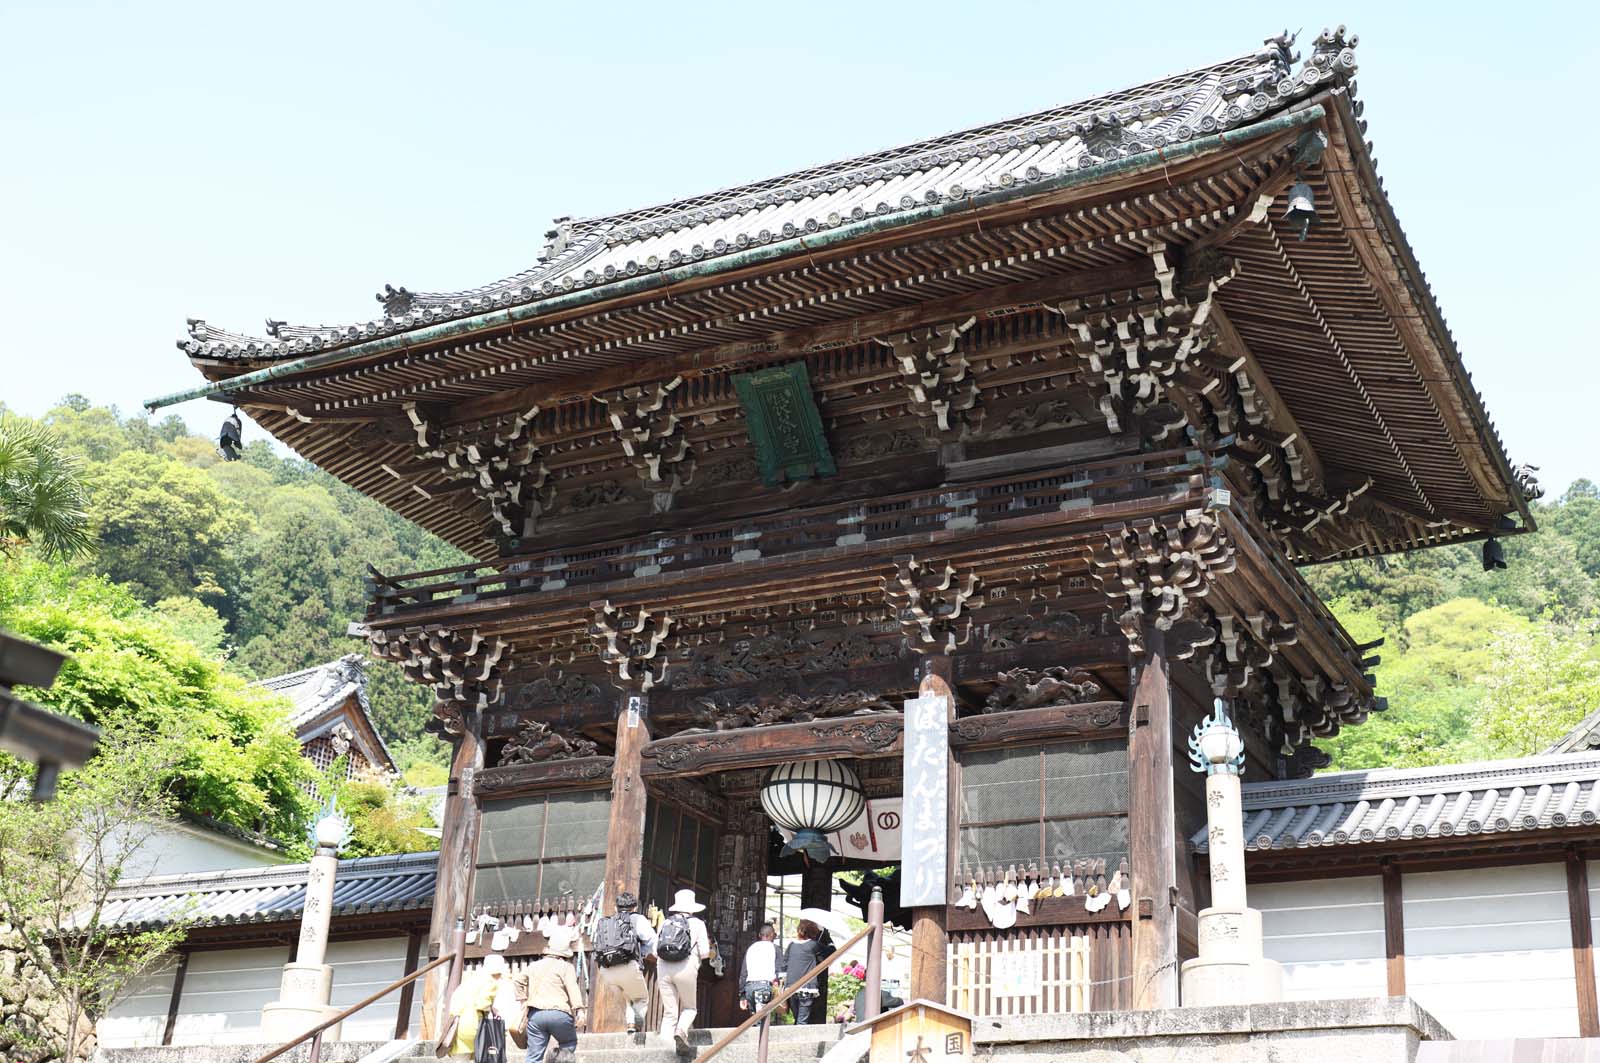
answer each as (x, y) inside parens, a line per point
(783, 423)
(1292, 119)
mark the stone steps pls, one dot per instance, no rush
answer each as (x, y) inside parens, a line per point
(786, 1044)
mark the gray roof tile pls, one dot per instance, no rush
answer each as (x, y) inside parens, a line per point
(273, 894)
(1390, 805)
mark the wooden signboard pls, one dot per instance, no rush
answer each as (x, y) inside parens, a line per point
(920, 1032)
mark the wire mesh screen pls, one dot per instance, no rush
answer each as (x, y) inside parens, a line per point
(545, 845)
(1040, 804)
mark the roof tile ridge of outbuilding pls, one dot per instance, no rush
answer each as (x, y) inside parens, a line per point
(1361, 783)
(275, 874)
(300, 675)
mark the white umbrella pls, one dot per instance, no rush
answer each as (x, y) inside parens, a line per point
(832, 923)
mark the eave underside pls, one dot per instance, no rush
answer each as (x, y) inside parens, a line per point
(1314, 316)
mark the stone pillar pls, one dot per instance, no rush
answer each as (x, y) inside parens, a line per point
(308, 982)
(1231, 967)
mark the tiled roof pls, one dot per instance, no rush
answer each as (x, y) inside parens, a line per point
(1392, 805)
(1581, 739)
(313, 691)
(1014, 153)
(273, 894)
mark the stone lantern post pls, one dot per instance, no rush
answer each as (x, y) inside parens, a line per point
(307, 984)
(1231, 968)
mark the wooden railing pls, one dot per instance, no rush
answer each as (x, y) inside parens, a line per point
(973, 504)
(314, 1035)
(872, 987)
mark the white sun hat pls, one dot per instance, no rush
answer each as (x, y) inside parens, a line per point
(683, 901)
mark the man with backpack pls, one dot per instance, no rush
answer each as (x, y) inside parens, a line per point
(621, 942)
(681, 944)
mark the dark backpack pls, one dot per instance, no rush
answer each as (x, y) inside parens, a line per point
(616, 941)
(675, 942)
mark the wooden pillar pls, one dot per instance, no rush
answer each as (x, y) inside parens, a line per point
(402, 1015)
(177, 996)
(458, 855)
(929, 939)
(624, 832)
(1394, 930)
(1582, 944)
(816, 891)
(1152, 830)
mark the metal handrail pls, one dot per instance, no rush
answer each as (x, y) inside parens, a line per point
(314, 1035)
(873, 927)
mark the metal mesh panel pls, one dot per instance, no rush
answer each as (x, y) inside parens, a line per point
(1075, 839)
(1037, 804)
(512, 830)
(1086, 777)
(579, 823)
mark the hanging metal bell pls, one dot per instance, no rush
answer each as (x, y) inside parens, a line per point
(1302, 207)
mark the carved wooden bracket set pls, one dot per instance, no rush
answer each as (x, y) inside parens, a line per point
(506, 470)
(464, 668)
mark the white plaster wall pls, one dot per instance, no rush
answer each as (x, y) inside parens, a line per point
(1489, 950)
(180, 849)
(361, 968)
(223, 992)
(139, 1017)
(1328, 934)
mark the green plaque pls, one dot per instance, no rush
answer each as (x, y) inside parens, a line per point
(783, 423)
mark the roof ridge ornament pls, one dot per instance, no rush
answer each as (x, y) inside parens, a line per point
(397, 302)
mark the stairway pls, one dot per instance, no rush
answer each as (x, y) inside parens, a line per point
(786, 1044)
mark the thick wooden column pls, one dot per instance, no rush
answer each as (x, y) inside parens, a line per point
(1582, 944)
(1152, 831)
(624, 832)
(458, 855)
(816, 891)
(929, 939)
(177, 997)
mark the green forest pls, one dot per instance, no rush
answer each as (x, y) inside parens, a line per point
(255, 568)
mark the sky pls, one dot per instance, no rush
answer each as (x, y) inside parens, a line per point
(235, 162)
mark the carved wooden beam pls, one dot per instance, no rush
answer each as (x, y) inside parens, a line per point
(938, 377)
(506, 469)
(651, 435)
(1093, 719)
(464, 668)
(536, 742)
(875, 734)
(631, 645)
(930, 602)
(1019, 689)
(511, 780)
(1158, 568)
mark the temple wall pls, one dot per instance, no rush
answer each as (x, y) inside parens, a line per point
(1489, 950)
(1328, 934)
(224, 989)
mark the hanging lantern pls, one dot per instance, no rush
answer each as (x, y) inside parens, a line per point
(1302, 207)
(812, 798)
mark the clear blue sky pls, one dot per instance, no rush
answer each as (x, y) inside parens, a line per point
(233, 161)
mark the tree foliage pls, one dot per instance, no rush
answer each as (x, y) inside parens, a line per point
(42, 498)
(132, 670)
(63, 965)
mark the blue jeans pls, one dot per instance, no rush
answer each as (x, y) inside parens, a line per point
(543, 1025)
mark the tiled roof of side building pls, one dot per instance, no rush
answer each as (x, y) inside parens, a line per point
(1400, 804)
(273, 894)
(322, 688)
(1013, 153)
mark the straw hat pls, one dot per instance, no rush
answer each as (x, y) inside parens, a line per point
(559, 942)
(683, 901)
(494, 963)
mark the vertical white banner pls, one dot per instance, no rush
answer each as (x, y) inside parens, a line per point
(925, 797)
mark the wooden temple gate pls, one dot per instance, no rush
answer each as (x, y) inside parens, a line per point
(743, 474)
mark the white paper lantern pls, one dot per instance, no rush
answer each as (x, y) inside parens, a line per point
(813, 798)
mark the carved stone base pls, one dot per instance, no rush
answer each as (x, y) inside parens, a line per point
(302, 1003)
(1230, 968)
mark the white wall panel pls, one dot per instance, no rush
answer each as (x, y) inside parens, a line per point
(1328, 934)
(139, 1017)
(1489, 950)
(361, 968)
(223, 993)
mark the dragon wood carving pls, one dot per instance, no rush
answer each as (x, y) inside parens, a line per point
(728, 711)
(536, 743)
(1028, 688)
